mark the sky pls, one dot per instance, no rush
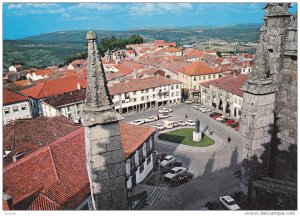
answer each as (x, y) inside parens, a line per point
(26, 19)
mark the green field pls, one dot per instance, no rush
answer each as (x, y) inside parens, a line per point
(185, 136)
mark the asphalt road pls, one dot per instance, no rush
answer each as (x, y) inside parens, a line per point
(213, 168)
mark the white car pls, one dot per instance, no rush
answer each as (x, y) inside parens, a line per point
(174, 172)
(151, 118)
(165, 115)
(167, 159)
(165, 110)
(175, 123)
(196, 106)
(221, 118)
(159, 127)
(229, 203)
(189, 101)
(190, 122)
(168, 124)
(138, 122)
(205, 109)
(181, 123)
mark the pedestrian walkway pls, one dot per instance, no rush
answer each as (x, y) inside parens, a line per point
(219, 143)
(155, 195)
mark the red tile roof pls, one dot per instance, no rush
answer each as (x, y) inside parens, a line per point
(10, 97)
(139, 84)
(43, 131)
(23, 83)
(192, 53)
(173, 49)
(134, 136)
(54, 87)
(175, 66)
(55, 176)
(229, 83)
(43, 72)
(198, 68)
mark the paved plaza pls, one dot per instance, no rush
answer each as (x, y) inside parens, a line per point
(213, 166)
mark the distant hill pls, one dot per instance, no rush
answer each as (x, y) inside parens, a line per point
(46, 49)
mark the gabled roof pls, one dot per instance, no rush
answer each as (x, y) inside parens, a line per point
(139, 84)
(172, 49)
(229, 83)
(54, 87)
(42, 72)
(55, 176)
(10, 97)
(198, 68)
(66, 98)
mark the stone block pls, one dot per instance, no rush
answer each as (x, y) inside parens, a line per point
(116, 169)
(114, 143)
(119, 198)
(98, 146)
(104, 201)
(104, 131)
(100, 173)
(110, 184)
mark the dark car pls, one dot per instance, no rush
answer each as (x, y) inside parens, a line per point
(213, 114)
(234, 124)
(170, 165)
(181, 178)
(160, 156)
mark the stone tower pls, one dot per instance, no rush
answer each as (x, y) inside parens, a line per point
(104, 151)
(266, 112)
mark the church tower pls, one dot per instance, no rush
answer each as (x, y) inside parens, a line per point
(104, 151)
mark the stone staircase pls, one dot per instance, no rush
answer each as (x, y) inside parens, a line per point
(156, 194)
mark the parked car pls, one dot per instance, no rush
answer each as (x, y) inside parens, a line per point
(237, 128)
(215, 115)
(174, 172)
(196, 106)
(181, 178)
(160, 127)
(138, 122)
(205, 109)
(151, 118)
(165, 110)
(234, 124)
(165, 115)
(229, 122)
(175, 124)
(189, 101)
(168, 124)
(167, 159)
(224, 119)
(220, 118)
(181, 123)
(171, 165)
(229, 203)
(160, 156)
(190, 122)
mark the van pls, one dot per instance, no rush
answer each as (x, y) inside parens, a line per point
(168, 124)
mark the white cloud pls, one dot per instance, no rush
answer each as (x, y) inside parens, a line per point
(158, 8)
(94, 6)
(14, 6)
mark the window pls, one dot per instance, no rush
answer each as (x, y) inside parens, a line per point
(172, 87)
(134, 93)
(147, 97)
(177, 93)
(7, 110)
(117, 103)
(172, 94)
(214, 76)
(134, 99)
(177, 86)
(194, 87)
(123, 101)
(142, 91)
(195, 78)
(147, 90)
(154, 96)
(148, 160)
(15, 109)
(142, 98)
(142, 168)
(203, 77)
(153, 89)
(208, 76)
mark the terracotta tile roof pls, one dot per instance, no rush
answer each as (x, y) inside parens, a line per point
(159, 42)
(54, 87)
(173, 49)
(175, 66)
(55, 176)
(139, 84)
(10, 97)
(134, 136)
(192, 53)
(29, 175)
(198, 68)
(28, 135)
(43, 72)
(112, 76)
(66, 98)
(229, 83)
(23, 83)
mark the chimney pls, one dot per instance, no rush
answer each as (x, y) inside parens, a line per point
(78, 86)
(7, 203)
(134, 74)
